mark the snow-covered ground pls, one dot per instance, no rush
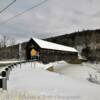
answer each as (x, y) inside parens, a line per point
(78, 71)
(31, 81)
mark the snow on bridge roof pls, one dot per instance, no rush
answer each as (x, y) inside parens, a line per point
(49, 45)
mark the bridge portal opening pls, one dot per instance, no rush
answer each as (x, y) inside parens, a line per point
(32, 50)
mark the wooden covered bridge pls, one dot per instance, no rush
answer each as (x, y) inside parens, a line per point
(47, 51)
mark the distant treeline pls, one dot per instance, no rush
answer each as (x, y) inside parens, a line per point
(87, 42)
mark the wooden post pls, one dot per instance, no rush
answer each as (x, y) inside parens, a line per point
(7, 73)
(14, 65)
(1, 85)
(3, 81)
(3, 74)
(10, 68)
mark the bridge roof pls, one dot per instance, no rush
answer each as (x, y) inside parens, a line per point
(53, 46)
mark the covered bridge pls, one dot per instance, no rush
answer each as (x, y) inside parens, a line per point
(47, 51)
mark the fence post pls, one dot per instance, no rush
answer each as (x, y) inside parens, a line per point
(1, 85)
(3, 81)
(10, 68)
(7, 73)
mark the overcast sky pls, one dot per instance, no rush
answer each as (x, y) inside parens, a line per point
(54, 17)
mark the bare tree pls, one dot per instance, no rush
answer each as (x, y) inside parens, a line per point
(4, 41)
(12, 41)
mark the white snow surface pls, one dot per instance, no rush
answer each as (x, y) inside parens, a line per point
(33, 77)
(53, 46)
(77, 71)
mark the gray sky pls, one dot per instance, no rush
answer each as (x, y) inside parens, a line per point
(52, 18)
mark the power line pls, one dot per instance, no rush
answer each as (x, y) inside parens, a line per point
(7, 6)
(6, 21)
